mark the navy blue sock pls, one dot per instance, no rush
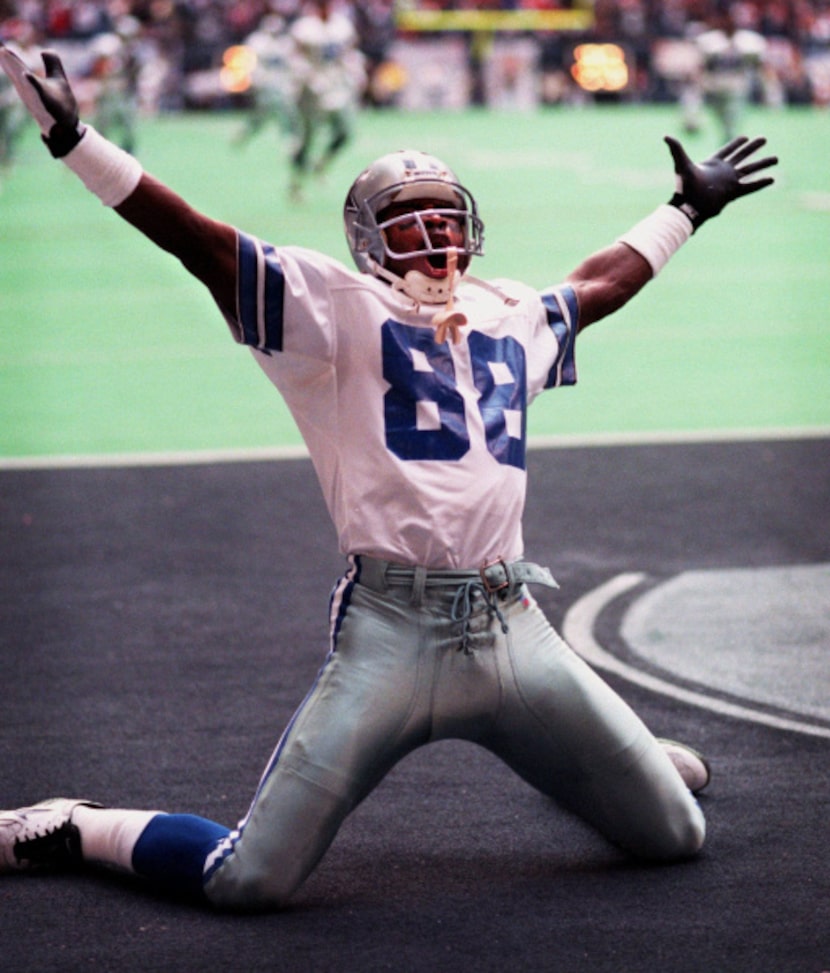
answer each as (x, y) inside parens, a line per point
(172, 849)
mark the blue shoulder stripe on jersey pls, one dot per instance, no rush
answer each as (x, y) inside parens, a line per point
(260, 293)
(563, 316)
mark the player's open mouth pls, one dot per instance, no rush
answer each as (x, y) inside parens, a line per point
(438, 261)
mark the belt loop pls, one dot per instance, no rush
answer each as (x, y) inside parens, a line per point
(372, 572)
(419, 583)
(384, 568)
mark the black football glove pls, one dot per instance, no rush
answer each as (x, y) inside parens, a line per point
(704, 189)
(49, 100)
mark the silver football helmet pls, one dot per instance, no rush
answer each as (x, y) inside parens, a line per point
(397, 178)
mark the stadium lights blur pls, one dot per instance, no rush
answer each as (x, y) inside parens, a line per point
(238, 65)
(600, 67)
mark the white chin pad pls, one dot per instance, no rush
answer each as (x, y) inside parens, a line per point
(428, 290)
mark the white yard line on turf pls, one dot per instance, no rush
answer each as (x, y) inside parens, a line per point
(267, 453)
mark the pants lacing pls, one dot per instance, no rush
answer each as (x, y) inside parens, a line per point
(462, 610)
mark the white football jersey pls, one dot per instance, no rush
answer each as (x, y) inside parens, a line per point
(730, 62)
(419, 447)
(327, 61)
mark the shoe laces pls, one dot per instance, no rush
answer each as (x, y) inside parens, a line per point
(55, 845)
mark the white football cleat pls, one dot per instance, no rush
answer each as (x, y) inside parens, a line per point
(41, 836)
(692, 766)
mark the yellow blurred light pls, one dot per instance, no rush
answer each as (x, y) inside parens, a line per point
(600, 67)
(238, 65)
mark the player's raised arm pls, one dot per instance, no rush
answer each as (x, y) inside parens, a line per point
(611, 277)
(206, 247)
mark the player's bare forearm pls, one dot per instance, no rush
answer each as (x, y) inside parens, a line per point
(206, 247)
(607, 280)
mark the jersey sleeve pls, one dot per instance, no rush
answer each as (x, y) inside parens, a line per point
(283, 299)
(562, 314)
(260, 296)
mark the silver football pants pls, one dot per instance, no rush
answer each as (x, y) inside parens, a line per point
(407, 668)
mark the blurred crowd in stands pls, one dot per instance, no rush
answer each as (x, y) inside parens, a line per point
(176, 40)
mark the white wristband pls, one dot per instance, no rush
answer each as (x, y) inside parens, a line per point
(109, 172)
(659, 235)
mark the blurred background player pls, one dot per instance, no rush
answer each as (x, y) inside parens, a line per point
(329, 71)
(21, 38)
(730, 72)
(273, 89)
(12, 123)
(114, 68)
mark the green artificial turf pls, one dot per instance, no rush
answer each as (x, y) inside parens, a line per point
(107, 346)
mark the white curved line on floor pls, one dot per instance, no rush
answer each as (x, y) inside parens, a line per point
(578, 632)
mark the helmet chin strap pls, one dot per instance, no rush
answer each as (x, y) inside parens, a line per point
(449, 321)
